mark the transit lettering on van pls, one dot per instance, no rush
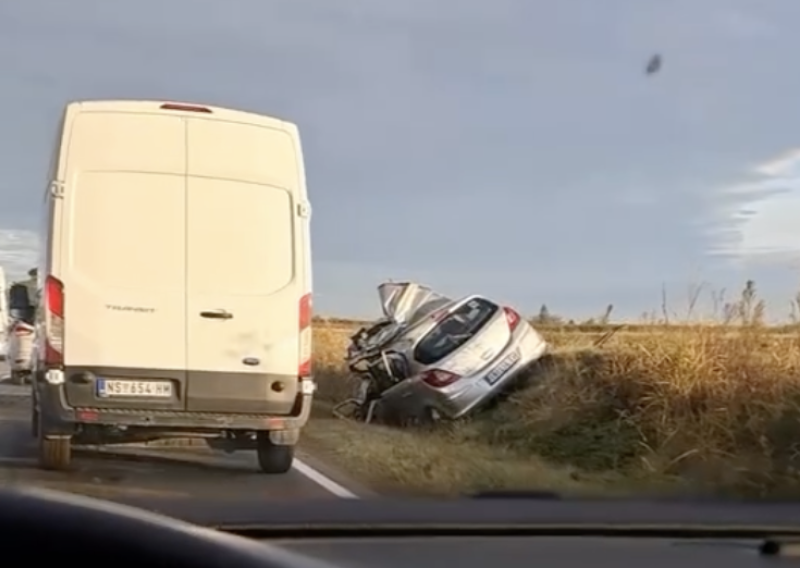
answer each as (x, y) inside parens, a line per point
(197, 217)
(130, 309)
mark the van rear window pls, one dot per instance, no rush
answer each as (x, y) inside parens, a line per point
(454, 330)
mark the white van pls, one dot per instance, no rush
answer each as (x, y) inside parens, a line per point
(175, 281)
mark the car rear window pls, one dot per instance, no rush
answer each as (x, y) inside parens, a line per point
(454, 330)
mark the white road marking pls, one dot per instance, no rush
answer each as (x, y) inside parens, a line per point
(322, 480)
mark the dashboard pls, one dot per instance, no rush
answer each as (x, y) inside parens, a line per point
(345, 533)
(526, 552)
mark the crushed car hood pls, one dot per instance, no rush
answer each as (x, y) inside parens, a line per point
(405, 302)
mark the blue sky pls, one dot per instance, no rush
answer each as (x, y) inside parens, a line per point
(512, 147)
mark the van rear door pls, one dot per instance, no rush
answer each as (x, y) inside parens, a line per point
(242, 291)
(123, 262)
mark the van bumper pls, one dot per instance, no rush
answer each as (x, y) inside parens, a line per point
(60, 419)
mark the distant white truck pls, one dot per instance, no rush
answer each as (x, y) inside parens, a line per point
(19, 332)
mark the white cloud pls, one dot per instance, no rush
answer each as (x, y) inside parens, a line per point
(757, 220)
(779, 166)
(19, 251)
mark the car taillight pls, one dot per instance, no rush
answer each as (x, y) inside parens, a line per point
(304, 370)
(512, 317)
(54, 321)
(438, 378)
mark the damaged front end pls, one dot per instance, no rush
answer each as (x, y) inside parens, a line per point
(375, 355)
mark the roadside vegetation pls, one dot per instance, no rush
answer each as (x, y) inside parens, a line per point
(652, 407)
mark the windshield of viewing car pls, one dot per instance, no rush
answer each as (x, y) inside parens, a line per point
(617, 178)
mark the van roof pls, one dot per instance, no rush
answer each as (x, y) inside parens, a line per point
(184, 108)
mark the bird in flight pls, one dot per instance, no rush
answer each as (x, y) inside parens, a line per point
(654, 65)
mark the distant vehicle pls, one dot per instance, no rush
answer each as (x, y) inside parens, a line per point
(176, 281)
(431, 357)
(20, 333)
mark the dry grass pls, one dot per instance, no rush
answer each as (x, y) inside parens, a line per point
(694, 408)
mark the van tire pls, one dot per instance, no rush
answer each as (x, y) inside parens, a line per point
(272, 458)
(55, 454)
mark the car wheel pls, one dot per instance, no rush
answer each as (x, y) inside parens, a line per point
(54, 453)
(272, 458)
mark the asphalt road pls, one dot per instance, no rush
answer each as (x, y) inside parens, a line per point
(123, 473)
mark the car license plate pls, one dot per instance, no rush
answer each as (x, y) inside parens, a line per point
(502, 368)
(144, 389)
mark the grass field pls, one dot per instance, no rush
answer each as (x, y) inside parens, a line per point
(690, 408)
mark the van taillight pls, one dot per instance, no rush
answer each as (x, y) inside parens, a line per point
(512, 317)
(304, 370)
(54, 321)
(185, 108)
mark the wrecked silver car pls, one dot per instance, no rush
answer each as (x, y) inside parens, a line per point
(431, 357)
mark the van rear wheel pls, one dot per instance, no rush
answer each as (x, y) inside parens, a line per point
(55, 453)
(273, 458)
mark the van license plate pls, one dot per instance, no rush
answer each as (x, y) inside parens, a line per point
(107, 388)
(502, 368)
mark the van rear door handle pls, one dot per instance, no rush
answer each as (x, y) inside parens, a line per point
(217, 314)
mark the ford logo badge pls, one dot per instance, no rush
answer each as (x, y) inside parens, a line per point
(251, 361)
